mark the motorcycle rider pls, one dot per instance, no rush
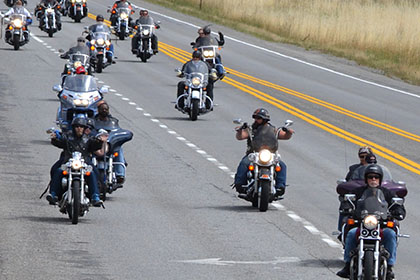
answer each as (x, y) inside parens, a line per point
(144, 18)
(119, 4)
(363, 152)
(262, 131)
(40, 10)
(103, 120)
(196, 65)
(373, 179)
(207, 40)
(75, 141)
(19, 9)
(100, 26)
(11, 3)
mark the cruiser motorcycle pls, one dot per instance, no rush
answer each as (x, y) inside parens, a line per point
(371, 216)
(16, 33)
(262, 173)
(145, 32)
(101, 56)
(77, 9)
(75, 201)
(211, 55)
(122, 27)
(48, 21)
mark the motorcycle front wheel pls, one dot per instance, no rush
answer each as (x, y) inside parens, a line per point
(194, 109)
(99, 63)
(16, 41)
(122, 33)
(368, 262)
(75, 203)
(264, 195)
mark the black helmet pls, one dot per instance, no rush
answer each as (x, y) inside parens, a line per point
(261, 113)
(206, 30)
(374, 169)
(79, 122)
(144, 12)
(99, 18)
(90, 123)
(196, 54)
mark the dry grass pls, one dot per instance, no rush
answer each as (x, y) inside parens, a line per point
(383, 34)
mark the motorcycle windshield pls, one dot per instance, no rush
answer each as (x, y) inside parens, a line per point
(197, 78)
(145, 21)
(83, 58)
(98, 28)
(372, 202)
(359, 173)
(118, 138)
(124, 12)
(80, 83)
(109, 125)
(101, 35)
(20, 17)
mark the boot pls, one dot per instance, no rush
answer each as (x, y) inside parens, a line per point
(389, 273)
(345, 272)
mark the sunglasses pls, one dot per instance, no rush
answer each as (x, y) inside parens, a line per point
(373, 177)
(362, 155)
(76, 126)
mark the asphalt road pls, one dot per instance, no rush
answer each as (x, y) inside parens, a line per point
(176, 217)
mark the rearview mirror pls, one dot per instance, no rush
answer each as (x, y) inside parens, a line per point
(288, 123)
(104, 89)
(237, 121)
(57, 88)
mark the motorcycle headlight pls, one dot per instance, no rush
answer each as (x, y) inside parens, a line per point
(17, 23)
(79, 1)
(92, 42)
(208, 53)
(73, 1)
(107, 42)
(100, 42)
(124, 16)
(196, 81)
(265, 156)
(77, 64)
(76, 164)
(50, 10)
(81, 102)
(145, 32)
(370, 222)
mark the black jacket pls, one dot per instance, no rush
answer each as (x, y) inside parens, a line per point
(71, 143)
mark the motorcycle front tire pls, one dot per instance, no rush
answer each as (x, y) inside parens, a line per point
(264, 196)
(194, 109)
(368, 263)
(75, 203)
(16, 41)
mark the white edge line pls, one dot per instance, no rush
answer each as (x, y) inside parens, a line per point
(295, 59)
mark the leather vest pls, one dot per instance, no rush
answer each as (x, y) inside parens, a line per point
(263, 137)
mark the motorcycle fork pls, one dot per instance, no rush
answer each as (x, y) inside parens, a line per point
(69, 189)
(109, 179)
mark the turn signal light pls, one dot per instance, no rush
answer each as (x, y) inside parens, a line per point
(58, 7)
(92, 48)
(107, 49)
(278, 168)
(350, 221)
(65, 172)
(251, 167)
(10, 27)
(186, 87)
(113, 11)
(84, 5)
(115, 154)
(390, 224)
(87, 173)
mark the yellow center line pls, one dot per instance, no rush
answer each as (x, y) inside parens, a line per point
(183, 56)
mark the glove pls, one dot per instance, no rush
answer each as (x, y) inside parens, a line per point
(244, 126)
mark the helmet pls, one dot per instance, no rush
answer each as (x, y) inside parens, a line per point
(79, 122)
(81, 40)
(196, 54)
(365, 150)
(206, 30)
(99, 18)
(144, 12)
(80, 70)
(90, 123)
(261, 113)
(374, 169)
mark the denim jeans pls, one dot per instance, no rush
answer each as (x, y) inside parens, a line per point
(241, 173)
(389, 241)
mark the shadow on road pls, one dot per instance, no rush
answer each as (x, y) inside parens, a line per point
(331, 263)
(40, 142)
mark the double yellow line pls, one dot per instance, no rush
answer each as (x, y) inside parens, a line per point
(183, 56)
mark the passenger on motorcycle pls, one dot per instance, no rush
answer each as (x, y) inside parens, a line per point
(40, 10)
(145, 18)
(373, 179)
(11, 3)
(363, 152)
(75, 141)
(196, 65)
(114, 15)
(105, 120)
(100, 26)
(263, 132)
(19, 9)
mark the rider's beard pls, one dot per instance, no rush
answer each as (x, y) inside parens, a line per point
(255, 125)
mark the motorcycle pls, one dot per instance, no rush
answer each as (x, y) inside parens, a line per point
(75, 201)
(78, 96)
(371, 215)
(211, 55)
(262, 173)
(194, 101)
(106, 164)
(74, 61)
(77, 9)
(16, 32)
(145, 31)
(48, 21)
(100, 47)
(122, 25)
